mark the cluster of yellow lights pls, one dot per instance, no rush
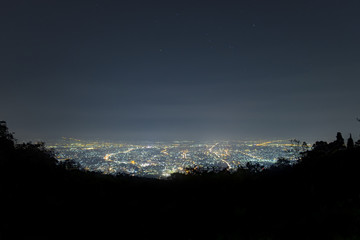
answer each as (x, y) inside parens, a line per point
(107, 156)
(184, 154)
(165, 152)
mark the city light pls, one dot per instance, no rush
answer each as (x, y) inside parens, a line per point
(160, 160)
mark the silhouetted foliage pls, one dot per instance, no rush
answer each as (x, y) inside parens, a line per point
(69, 164)
(350, 142)
(254, 167)
(7, 141)
(357, 143)
(282, 162)
(320, 146)
(297, 148)
(316, 197)
(339, 143)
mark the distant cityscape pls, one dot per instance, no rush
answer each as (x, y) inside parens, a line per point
(161, 159)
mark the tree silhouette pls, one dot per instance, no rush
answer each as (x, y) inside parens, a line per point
(69, 164)
(296, 148)
(350, 142)
(338, 144)
(320, 146)
(254, 167)
(340, 139)
(282, 162)
(7, 140)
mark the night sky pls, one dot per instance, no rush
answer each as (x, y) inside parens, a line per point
(162, 70)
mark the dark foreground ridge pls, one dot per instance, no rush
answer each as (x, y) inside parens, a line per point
(316, 198)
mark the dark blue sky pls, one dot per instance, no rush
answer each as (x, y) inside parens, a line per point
(151, 70)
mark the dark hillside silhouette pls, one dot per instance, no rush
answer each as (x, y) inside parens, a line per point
(316, 198)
